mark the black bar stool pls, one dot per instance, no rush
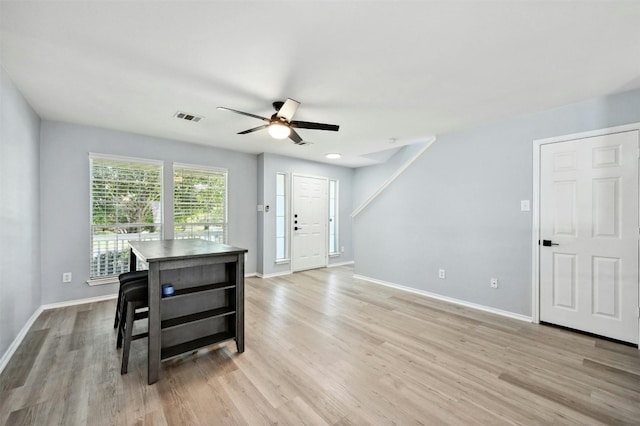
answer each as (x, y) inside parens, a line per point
(135, 295)
(125, 278)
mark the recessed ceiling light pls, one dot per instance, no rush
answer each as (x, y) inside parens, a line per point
(333, 156)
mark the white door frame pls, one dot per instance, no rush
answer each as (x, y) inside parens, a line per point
(291, 224)
(537, 144)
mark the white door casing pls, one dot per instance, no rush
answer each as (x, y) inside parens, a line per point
(589, 207)
(309, 222)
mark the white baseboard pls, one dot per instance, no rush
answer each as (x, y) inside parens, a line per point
(464, 303)
(79, 301)
(331, 265)
(275, 274)
(19, 338)
(251, 274)
(279, 274)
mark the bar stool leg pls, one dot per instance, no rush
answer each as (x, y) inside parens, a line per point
(128, 332)
(121, 327)
(116, 322)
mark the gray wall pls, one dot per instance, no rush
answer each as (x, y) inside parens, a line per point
(260, 216)
(458, 207)
(64, 172)
(271, 164)
(20, 294)
(369, 179)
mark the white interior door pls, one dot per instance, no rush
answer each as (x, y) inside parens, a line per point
(309, 223)
(589, 213)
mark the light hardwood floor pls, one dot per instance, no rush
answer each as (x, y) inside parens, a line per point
(325, 348)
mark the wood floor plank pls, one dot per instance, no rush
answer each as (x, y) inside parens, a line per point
(17, 371)
(323, 348)
(563, 398)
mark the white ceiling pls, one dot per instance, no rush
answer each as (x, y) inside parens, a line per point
(380, 69)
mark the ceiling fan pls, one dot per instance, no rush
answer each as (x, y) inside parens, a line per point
(281, 125)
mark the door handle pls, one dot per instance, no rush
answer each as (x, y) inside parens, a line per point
(295, 228)
(549, 243)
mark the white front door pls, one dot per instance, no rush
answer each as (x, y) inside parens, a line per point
(309, 223)
(589, 235)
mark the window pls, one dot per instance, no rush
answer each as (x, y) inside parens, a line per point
(333, 217)
(281, 217)
(199, 203)
(125, 205)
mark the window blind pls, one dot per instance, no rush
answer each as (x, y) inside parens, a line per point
(125, 205)
(200, 203)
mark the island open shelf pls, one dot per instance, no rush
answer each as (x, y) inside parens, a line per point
(207, 306)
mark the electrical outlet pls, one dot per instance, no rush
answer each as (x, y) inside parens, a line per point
(442, 274)
(66, 277)
(342, 249)
(494, 283)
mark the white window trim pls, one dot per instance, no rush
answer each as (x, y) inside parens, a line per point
(113, 279)
(98, 156)
(200, 167)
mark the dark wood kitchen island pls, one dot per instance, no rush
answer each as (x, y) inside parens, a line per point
(207, 306)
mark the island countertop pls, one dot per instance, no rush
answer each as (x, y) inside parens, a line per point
(158, 250)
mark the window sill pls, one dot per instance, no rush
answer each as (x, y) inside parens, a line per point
(334, 254)
(103, 281)
(282, 262)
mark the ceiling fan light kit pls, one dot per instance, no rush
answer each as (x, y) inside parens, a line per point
(281, 124)
(279, 130)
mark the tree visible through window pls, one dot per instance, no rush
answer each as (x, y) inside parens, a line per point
(125, 205)
(200, 200)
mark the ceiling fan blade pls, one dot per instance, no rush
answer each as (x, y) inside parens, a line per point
(243, 113)
(288, 109)
(295, 137)
(314, 126)
(264, 126)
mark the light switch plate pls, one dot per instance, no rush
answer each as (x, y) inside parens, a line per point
(524, 205)
(260, 207)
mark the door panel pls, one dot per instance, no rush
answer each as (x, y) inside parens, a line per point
(564, 280)
(606, 287)
(605, 207)
(589, 209)
(565, 212)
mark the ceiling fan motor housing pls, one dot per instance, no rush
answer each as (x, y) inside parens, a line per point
(278, 120)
